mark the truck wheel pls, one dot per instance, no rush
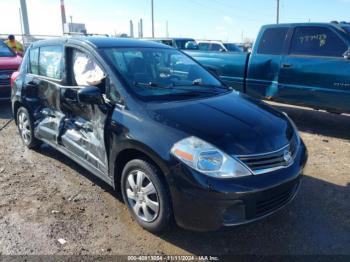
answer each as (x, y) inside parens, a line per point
(26, 128)
(145, 195)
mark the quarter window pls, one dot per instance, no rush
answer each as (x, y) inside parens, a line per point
(51, 61)
(317, 41)
(34, 61)
(272, 41)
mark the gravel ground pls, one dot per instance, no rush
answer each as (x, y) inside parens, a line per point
(45, 197)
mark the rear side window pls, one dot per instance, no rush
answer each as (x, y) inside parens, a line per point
(272, 41)
(51, 61)
(34, 61)
(317, 41)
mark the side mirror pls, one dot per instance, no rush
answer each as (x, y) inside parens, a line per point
(346, 55)
(222, 50)
(90, 95)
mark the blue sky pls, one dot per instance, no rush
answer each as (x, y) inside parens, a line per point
(228, 20)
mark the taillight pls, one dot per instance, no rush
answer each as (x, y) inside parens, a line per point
(13, 78)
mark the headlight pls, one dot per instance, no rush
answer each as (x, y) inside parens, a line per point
(207, 159)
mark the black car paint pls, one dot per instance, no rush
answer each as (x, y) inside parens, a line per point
(233, 122)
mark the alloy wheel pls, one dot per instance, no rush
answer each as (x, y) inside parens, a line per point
(24, 127)
(142, 196)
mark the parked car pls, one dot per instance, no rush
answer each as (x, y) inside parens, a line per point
(302, 64)
(9, 63)
(156, 125)
(209, 45)
(179, 43)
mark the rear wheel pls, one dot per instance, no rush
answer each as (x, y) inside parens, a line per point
(26, 128)
(145, 195)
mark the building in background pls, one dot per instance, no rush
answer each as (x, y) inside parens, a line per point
(75, 28)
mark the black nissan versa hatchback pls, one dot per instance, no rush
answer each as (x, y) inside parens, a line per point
(152, 122)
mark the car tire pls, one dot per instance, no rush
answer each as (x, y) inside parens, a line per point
(25, 126)
(141, 202)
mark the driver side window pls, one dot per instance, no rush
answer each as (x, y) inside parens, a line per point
(86, 72)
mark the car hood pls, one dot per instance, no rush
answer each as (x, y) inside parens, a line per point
(10, 62)
(233, 122)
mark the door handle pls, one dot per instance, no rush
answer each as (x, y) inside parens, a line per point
(286, 65)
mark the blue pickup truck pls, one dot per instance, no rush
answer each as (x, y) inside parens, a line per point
(303, 64)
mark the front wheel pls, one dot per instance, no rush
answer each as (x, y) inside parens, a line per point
(146, 195)
(26, 128)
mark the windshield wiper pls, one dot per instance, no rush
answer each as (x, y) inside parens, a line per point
(149, 84)
(182, 87)
(198, 82)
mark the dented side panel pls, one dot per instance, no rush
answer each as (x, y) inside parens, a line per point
(82, 132)
(65, 123)
(48, 115)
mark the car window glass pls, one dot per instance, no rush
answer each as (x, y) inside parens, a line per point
(186, 44)
(5, 51)
(167, 42)
(204, 46)
(51, 61)
(317, 41)
(34, 61)
(159, 72)
(86, 71)
(272, 41)
(215, 47)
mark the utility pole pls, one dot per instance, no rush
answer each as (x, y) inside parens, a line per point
(63, 16)
(131, 29)
(25, 17)
(71, 24)
(278, 12)
(152, 18)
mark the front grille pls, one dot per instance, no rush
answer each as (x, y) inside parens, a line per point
(5, 76)
(274, 202)
(268, 162)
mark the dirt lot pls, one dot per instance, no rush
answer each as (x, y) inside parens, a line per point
(44, 196)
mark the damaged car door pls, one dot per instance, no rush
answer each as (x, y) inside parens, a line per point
(82, 131)
(42, 89)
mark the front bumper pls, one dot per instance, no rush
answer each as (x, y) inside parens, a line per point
(203, 203)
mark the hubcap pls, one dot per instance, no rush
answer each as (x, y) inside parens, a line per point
(142, 196)
(24, 127)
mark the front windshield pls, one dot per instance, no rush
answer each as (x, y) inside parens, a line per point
(5, 51)
(159, 73)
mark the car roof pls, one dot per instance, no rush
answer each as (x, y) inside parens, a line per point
(168, 38)
(302, 24)
(101, 42)
(210, 41)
